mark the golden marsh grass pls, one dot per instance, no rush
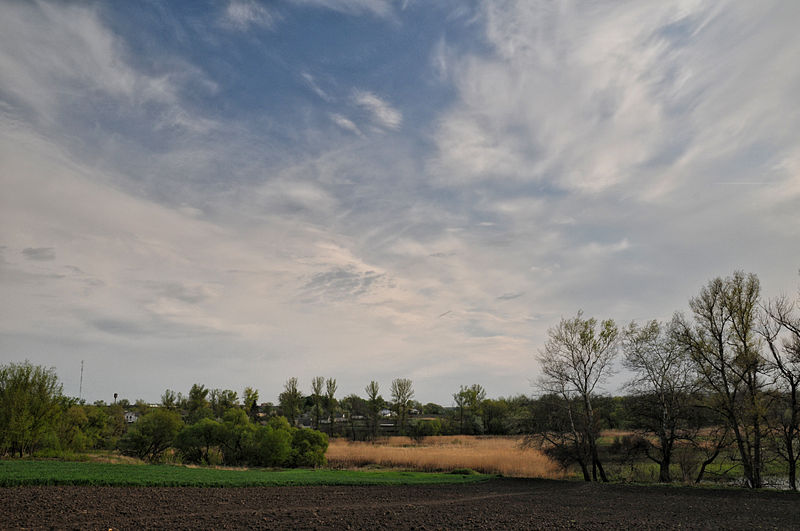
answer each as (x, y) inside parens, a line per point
(490, 455)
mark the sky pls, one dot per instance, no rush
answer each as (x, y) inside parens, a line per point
(235, 193)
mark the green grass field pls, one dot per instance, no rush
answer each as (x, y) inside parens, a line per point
(27, 472)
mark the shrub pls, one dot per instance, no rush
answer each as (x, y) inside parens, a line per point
(271, 447)
(426, 428)
(308, 448)
(195, 442)
(152, 434)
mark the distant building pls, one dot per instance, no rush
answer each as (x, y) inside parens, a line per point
(131, 417)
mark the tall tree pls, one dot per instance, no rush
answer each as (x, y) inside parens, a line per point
(460, 398)
(169, 400)
(317, 383)
(402, 394)
(29, 403)
(250, 403)
(781, 329)
(663, 383)
(477, 397)
(197, 404)
(576, 359)
(330, 401)
(290, 400)
(222, 400)
(375, 403)
(725, 348)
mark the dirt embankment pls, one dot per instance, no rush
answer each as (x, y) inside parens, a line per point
(502, 503)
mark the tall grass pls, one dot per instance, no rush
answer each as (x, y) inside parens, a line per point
(489, 455)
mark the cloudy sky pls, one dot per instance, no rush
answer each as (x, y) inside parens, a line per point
(236, 193)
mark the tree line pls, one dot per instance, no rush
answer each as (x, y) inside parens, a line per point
(726, 375)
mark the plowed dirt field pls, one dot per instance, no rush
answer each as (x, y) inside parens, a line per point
(499, 503)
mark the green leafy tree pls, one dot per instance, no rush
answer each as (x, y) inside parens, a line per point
(308, 448)
(290, 400)
(250, 403)
(152, 434)
(72, 427)
(375, 403)
(221, 400)
(235, 439)
(317, 383)
(330, 401)
(197, 404)
(196, 441)
(272, 444)
(169, 400)
(29, 404)
(433, 409)
(460, 398)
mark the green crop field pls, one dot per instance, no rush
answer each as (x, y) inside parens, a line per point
(26, 472)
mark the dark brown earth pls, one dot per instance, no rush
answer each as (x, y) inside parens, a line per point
(500, 503)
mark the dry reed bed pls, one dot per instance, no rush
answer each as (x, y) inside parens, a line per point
(490, 455)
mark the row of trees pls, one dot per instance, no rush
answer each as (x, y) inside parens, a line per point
(233, 440)
(728, 374)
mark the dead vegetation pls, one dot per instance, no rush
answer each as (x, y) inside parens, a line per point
(490, 455)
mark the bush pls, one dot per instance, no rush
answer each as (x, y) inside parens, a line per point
(196, 442)
(308, 448)
(426, 428)
(152, 434)
(271, 446)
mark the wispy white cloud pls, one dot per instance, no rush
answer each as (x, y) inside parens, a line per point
(244, 14)
(377, 8)
(345, 123)
(312, 84)
(380, 111)
(51, 54)
(589, 98)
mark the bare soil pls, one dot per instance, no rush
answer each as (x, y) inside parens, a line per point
(499, 503)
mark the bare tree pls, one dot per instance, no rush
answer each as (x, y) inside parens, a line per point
(576, 359)
(781, 329)
(725, 349)
(402, 393)
(663, 384)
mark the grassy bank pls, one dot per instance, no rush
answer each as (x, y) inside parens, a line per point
(27, 472)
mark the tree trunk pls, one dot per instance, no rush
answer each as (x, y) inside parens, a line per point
(663, 469)
(585, 470)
